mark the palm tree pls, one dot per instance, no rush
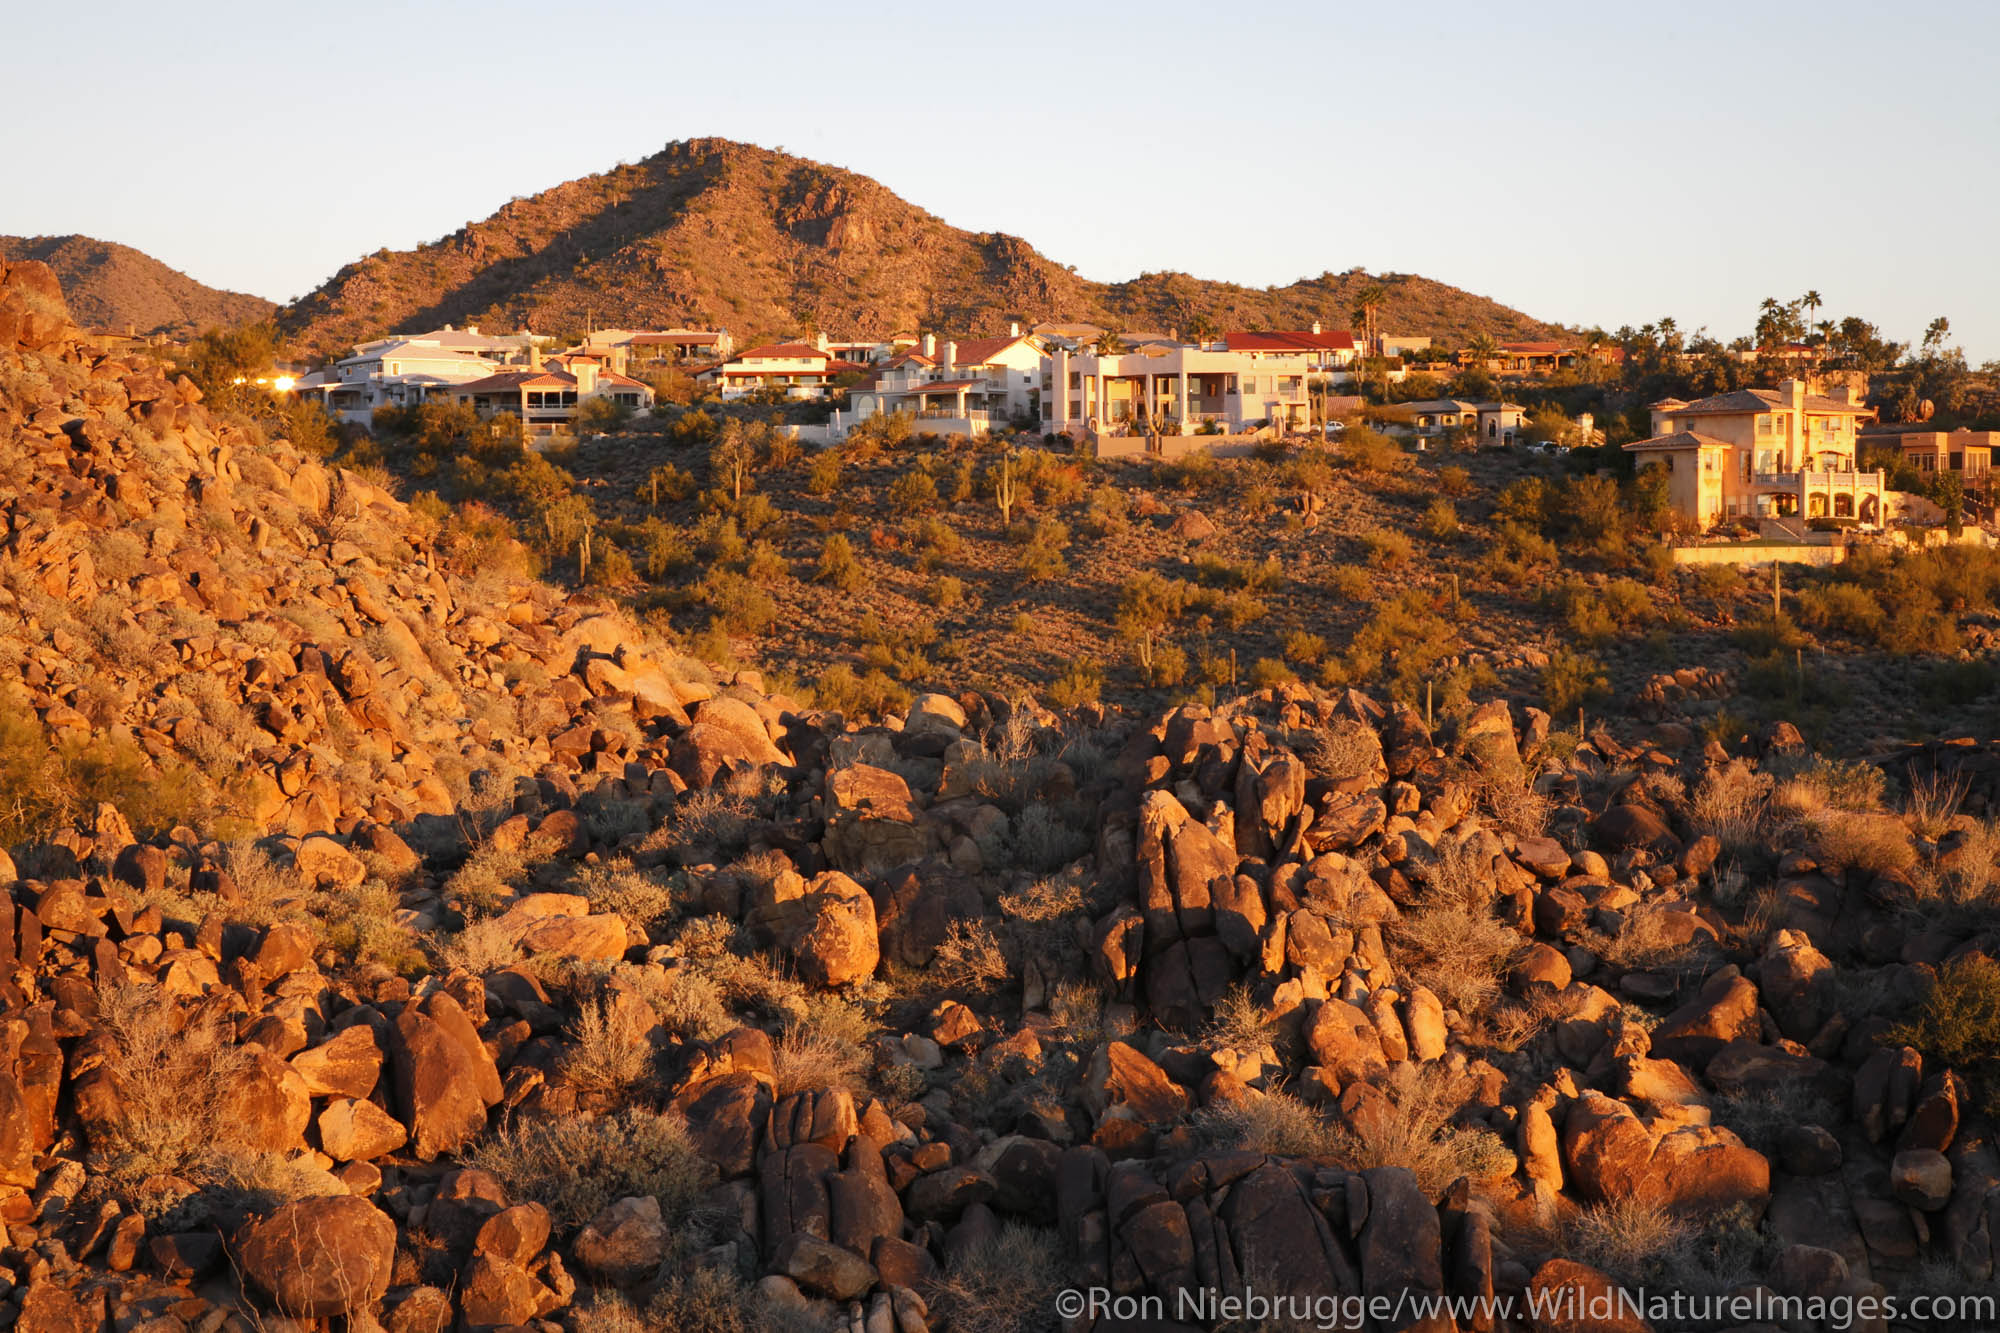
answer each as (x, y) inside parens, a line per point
(1366, 303)
(1109, 343)
(1811, 301)
(1202, 329)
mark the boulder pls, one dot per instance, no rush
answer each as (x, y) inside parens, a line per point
(351, 1130)
(320, 1257)
(625, 1243)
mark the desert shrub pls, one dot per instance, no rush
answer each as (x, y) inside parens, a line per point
(1275, 1122)
(969, 958)
(172, 1071)
(1370, 451)
(711, 817)
(1760, 1117)
(841, 689)
(686, 999)
(1386, 548)
(1003, 1285)
(914, 492)
(1267, 671)
(1440, 521)
(1633, 1240)
(740, 606)
(812, 1057)
(1042, 554)
(1404, 645)
(1454, 481)
(484, 946)
(1341, 749)
(360, 927)
(1419, 1133)
(700, 1298)
(1731, 802)
(823, 476)
(1821, 781)
(49, 785)
(945, 593)
(1079, 684)
(1957, 1024)
(1571, 680)
(1868, 843)
(1846, 607)
(1461, 949)
(1044, 842)
(576, 1166)
(609, 1053)
(1240, 1021)
(1350, 583)
(1516, 553)
(1933, 799)
(1304, 648)
(838, 565)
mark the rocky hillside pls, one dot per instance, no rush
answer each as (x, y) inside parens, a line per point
(718, 233)
(434, 950)
(114, 287)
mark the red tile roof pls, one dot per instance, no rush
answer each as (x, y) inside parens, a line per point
(519, 379)
(1536, 349)
(677, 339)
(1289, 340)
(979, 351)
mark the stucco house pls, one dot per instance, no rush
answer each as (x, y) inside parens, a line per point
(1326, 349)
(798, 369)
(1966, 452)
(546, 398)
(1191, 386)
(1765, 453)
(961, 386)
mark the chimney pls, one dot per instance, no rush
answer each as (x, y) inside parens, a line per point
(950, 355)
(820, 340)
(930, 345)
(1014, 329)
(1795, 394)
(534, 356)
(1315, 328)
(586, 377)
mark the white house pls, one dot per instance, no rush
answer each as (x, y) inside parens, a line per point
(962, 386)
(1237, 390)
(799, 370)
(392, 372)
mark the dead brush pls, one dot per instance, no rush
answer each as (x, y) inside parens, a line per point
(1933, 800)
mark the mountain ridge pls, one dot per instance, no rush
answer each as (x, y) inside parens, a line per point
(113, 286)
(716, 232)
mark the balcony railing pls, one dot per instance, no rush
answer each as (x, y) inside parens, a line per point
(1806, 478)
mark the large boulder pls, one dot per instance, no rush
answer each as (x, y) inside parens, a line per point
(445, 1079)
(828, 934)
(320, 1257)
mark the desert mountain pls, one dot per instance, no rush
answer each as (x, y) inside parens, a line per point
(110, 286)
(709, 231)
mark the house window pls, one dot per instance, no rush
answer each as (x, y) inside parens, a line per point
(1249, 384)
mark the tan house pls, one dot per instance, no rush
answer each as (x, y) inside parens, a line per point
(1765, 453)
(1966, 452)
(546, 398)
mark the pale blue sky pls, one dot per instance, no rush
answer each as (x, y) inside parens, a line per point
(1588, 163)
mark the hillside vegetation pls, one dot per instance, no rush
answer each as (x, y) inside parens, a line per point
(711, 232)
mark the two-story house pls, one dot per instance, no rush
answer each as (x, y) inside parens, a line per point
(797, 369)
(546, 398)
(1765, 453)
(964, 386)
(1190, 387)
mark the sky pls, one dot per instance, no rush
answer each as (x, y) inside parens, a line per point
(1589, 164)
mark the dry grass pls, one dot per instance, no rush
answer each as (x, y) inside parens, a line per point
(1761, 1118)
(172, 1072)
(1732, 803)
(1240, 1022)
(1630, 1240)
(1868, 843)
(711, 817)
(1461, 953)
(1933, 799)
(610, 1054)
(483, 947)
(811, 1058)
(1276, 1123)
(574, 1167)
(969, 958)
(1006, 1285)
(1421, 1135)
(1341, 749)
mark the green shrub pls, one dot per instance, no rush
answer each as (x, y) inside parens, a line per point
(1304, 648)
(838, 565)
(1386, 549)
(1957, 1025)
(824, 474)
(1571, 680)
(915, 492)
(1440, 521)
(1081, 683)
